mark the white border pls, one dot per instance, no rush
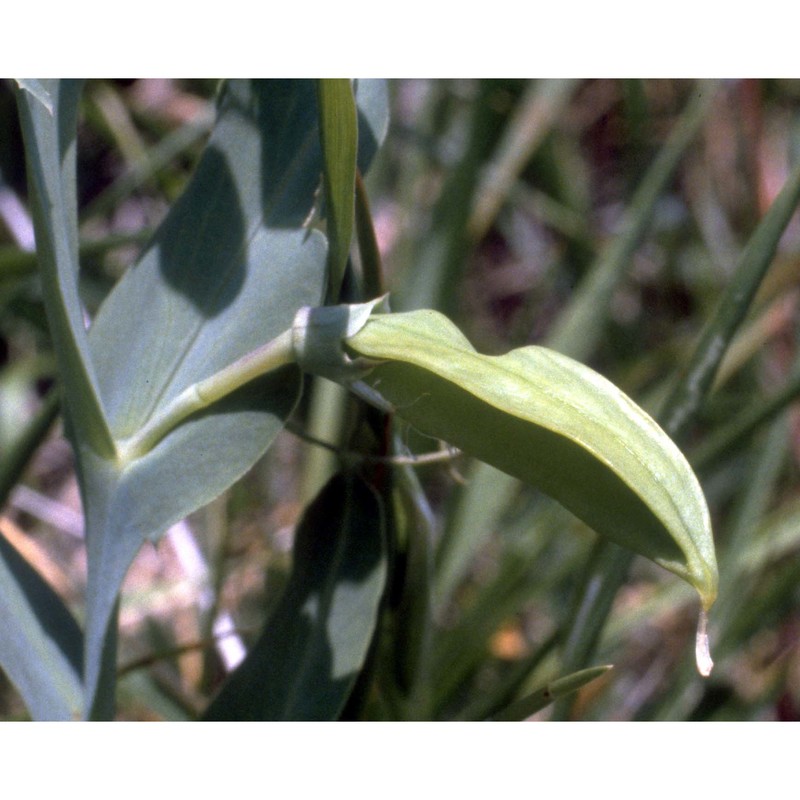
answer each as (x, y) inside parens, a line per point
(371, 760)
(506, 38)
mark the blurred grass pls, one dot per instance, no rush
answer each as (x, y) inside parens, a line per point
(492, 200)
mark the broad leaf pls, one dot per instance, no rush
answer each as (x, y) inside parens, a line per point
(225, 273)
(534, 414)
(307, 659)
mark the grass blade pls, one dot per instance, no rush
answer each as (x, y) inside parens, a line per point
(549, 693)
(338, 129)
(40, 642)
(694, 384)
(580, 325)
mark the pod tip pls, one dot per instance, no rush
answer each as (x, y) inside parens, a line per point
(701, 651)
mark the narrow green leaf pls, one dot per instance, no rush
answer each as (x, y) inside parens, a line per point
(307, 659)
(777, 537)
(746, 423)
(747, 522)
(39, 90)
(534, 116)
(16, 263)
(338, 127)
(526, 574)
(547, 420)
(40, 642)
(436, 262)
(173, 145)
(369, 252)
(49, 136)
(698, 377)
(542, 697)
(581, 324)
(605, 571)
(508, 686)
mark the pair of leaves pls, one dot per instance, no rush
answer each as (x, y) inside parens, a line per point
(225, 273)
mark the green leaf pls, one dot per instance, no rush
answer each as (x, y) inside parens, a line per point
(535, 114)
(575, 334)
(545, 419)
(437, 260)
(40, 642)
(38, 90)
(224, 274)
(338, 126)
(307, 659)
(698, 376)
(581, 324)
(49, 136)
(550, 692)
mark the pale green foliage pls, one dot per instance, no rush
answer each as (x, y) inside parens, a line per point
(203, 352)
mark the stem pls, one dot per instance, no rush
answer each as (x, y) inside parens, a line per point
(414, 460)
(270, 356)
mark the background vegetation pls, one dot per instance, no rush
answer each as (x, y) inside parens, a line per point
(518, 208)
